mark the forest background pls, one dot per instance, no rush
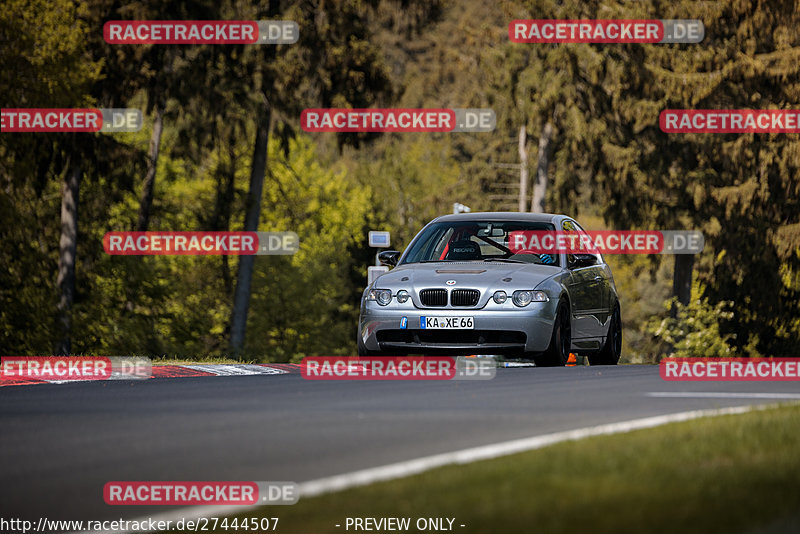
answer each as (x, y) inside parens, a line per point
(222, 149)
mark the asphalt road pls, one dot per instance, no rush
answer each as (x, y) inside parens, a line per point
(59, 444)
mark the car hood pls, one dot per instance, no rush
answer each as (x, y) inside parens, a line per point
(485, 276)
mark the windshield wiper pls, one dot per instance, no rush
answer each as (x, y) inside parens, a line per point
(507, 260)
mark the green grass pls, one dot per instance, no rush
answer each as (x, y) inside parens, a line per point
(738, 473)
(199, 361)
(166, 359)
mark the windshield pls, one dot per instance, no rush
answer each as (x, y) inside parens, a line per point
(482, 241)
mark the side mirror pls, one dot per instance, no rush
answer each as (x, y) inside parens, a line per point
(584, 260)
(389, 257)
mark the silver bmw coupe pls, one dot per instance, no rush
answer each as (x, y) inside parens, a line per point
(461, 288)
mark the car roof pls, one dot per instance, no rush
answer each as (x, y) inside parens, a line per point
(499, 216)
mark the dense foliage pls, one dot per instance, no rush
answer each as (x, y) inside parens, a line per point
(220, 106)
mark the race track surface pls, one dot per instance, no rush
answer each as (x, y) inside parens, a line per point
(60, 444)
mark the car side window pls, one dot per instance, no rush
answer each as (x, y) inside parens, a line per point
(567, 226)
(572, 226)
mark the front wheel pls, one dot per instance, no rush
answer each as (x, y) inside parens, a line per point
(609, 354)
(557, 352)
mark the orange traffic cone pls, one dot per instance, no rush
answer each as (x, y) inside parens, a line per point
(572, 361)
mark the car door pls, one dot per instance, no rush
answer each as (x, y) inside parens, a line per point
(586, 288)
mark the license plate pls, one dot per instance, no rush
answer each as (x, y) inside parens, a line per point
(446, 323)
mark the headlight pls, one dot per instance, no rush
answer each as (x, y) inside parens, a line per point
(381, 296)
(525, 297)
(402, 296)
(499, 297)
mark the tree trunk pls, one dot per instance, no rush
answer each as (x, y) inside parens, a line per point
(68, 245)
(523, 168)
(682, 279)
(146, 202)
(225, 197)
(241, 298)
(542, 166)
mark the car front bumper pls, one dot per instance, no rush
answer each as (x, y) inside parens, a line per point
(394, 330)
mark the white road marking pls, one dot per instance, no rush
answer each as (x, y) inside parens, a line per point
(464, 456)
(496, 450)
(235, 369)
(721, 395)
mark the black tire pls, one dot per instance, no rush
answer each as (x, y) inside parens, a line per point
(609, 354)
(557, 352)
